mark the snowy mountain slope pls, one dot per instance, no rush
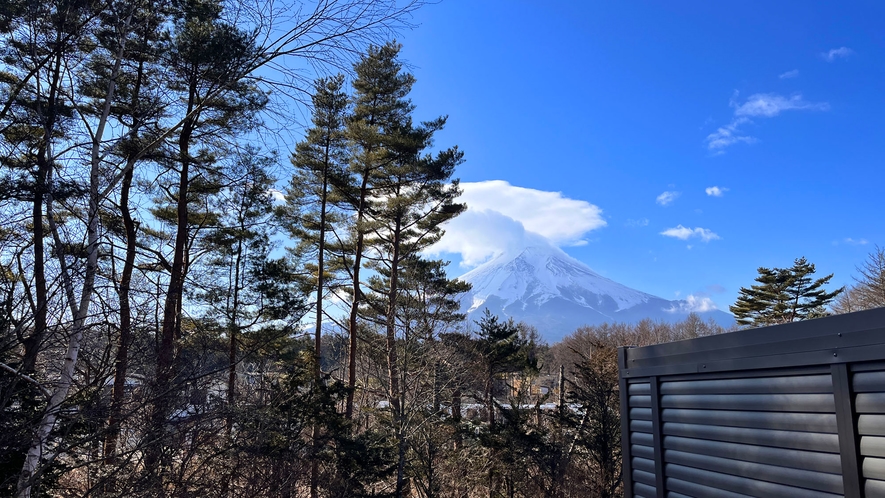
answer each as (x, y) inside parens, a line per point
(544, 286)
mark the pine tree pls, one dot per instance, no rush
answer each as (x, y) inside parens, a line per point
(320, 165)
(310, 214)
(217, 104)
(380, 109)
(413, 196)
(783, 295)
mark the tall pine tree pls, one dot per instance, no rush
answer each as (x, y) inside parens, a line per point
(783, 295)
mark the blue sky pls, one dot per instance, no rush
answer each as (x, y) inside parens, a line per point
(612, 105)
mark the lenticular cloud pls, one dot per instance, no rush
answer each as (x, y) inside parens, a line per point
(501, 217)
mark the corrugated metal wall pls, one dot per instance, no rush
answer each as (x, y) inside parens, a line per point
(720, 417)
(768, 436)
(642, 447)
(869, 388)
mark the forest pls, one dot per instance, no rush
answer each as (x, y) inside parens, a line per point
(189, 306)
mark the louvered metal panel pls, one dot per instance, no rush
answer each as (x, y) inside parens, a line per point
(783, 439)
(795, 410)
(755, 402)
(641, 490)
(870, 404)
(741, 484)
(642, 441)
(874, 488)
(696, 490)
(808, 384)
(810, 460)
(810, 422)
(748, 436)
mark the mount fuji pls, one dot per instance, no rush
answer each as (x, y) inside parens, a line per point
(545, 287)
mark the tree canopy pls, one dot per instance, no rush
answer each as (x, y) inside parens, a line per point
(783, 295)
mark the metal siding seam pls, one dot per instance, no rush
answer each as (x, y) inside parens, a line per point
(626, 457)
(657, 435)
(848, 440)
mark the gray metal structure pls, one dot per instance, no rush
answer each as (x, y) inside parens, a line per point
(794, 410)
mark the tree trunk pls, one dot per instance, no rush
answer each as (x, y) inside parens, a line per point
(357, 297)
(34, 341)
(79, 311)
(121, 361)
(392, 365)
(318, 332)
(163, 386)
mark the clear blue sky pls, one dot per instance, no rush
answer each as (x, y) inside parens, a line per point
(779, 104)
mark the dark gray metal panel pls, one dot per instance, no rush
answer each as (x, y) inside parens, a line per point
(867, 366)
(640, 401)
(762, 437)
(641, 426)
(863, 382)
(870, 402)
(739, 484)
(626, 459)
(751, 374)
(848, 443)
(808, 384)
(643, 477)
(642, 438)
(824, 356)
(809, 333)
(808, 460)
(754, 402)
(805, 422)
(640, 489)
(671, 494)
(658, 435)
(700, 491)
(820, 481)
(871, 424)
(874, 468)
(642, 451)
(872, 446)
(874, 489)
(644, 464)
(640, 413)
(761, 398)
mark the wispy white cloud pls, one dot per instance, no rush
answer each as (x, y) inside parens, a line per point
(641, 222)
(760, 105)
(855, 242)
(769, 105)
(789, 74)
(667, 197)
(684, 233)
(693, 304)
(728, 135)
(501, 217)
(836, 53)
(715, 191)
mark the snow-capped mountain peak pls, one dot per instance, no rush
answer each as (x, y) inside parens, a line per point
(543, 286)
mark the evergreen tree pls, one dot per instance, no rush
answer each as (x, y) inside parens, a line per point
(783, 295)
(310, 214)
(217, 104)
(380, 110)
(412, 196)
(320, 162)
